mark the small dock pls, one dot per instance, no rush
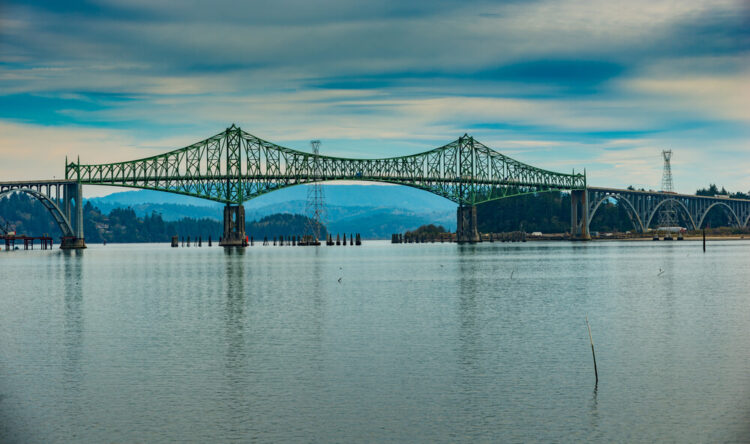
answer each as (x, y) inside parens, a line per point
(10, 241)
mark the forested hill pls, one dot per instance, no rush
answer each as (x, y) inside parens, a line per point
(26, 216)
(545, 212)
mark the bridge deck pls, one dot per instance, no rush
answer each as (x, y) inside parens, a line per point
(38, 182)
(662, 194)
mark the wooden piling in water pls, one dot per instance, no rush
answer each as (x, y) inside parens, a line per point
(593, 354)
(704, 240)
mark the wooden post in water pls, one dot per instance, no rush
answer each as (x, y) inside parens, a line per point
(591, 340)
(704, 240)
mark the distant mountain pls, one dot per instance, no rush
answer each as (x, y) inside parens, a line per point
(375, 211)
(388, 196)
(381, 223)
(136, 197)
(168, 211)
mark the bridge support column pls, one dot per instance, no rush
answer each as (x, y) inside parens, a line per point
(579, 222)
(466, 224)
(73, 197)
(234, 227)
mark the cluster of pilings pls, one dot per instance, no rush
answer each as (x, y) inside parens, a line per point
(234, 233)
(668, 236)
(306, 241)
(186, 242)
(353, 239)
(197, 241)
(512, 236)
(412, 238)
(45, 242)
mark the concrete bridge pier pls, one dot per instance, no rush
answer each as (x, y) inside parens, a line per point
(234, 227)
(579, 215)
(466, 224)
(73, 201)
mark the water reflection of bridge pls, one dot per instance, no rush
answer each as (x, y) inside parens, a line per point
(234, 166)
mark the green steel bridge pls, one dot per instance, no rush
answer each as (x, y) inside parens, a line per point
(233, 167)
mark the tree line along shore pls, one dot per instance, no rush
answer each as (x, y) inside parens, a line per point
(547, 213)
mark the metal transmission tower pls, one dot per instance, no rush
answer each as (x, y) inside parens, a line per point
(668, 213)
(315, 206)
(666, 177)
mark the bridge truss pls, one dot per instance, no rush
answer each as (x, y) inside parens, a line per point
(234, 166)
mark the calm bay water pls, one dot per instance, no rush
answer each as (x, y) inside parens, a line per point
(428, 343)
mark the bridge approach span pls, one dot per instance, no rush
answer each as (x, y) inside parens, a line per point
(643, 207)
(62, 198)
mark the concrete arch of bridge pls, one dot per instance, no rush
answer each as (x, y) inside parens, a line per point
(680, 205)
(54, 210)
(631, 208)
(729, 211)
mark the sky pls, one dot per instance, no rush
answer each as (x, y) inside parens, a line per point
(561, 85)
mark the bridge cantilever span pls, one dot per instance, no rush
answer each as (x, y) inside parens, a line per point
(234, 166)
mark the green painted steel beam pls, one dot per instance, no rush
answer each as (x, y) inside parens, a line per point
(234, 166)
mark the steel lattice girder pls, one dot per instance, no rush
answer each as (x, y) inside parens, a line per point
(234, 166)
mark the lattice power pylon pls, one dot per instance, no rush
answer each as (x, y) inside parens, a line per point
(668, 212)
(315, 209)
